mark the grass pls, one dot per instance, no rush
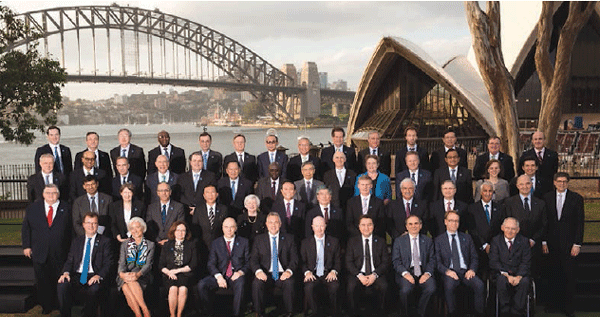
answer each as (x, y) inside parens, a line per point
(10, 231)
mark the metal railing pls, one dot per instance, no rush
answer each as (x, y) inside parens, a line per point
(13, 181)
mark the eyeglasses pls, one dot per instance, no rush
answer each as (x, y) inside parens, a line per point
(271, 142)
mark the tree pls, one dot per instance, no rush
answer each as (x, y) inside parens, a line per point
(554, 79)
(30, 92)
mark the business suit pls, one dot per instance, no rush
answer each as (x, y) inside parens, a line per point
(437, 211)
(103, 160)
(117, 216)
(340, 194)
(218, 261)
(335, 222)
(177, 160)
(507, 162)
(152, 182)
(443, 255)
(203, 231)
(547, 166)
(375, 209)
(294, 225)
(49, 246)
(136, 157)
(302, 195)
(327, 158)
(294, 167)
(135, 180)
(214, 163)
(188, 195)
(65, 158)
(331, 262)
(482, 231)
(263, 161)
(157, 230)
(36, 184)
(248, 170)
(541, 186)
(464, 183)
(77, 177)
(82, 205)
(424, 186)
(355, 258)
(400, 160)
(260, 259)
(385, 161)
(244, 188)
(101, 261)
(533, 223)
(438, 159)
(561, 235)
(402, 262)
(515, 262)
(396, 215)
(264, 191)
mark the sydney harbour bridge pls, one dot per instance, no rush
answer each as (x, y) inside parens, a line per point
(117, 44)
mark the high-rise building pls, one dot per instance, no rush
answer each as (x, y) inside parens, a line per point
(323, 80)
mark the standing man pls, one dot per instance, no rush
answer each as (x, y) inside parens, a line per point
(365, 204)
(162, 175)
(175, 155)
(86, 270)
(268, 189)
(247, 161)
(337, 138)
(438, 209)
(385, 158)
(213, 160)
(162, 214)
(563, 241)
(191, 183)
(63, 162)
(233, 189)
(207, 221)
(78, 176)
(272, 155)
(403, 207)
(540, 184)
(46, 235)
(420, 176)
(438, 156)
(102, 158)
(295, 164)
(410, 134)
(47, 175)
(460, 175)
(340, 180)
(292, 212)
(529, 210)
(123, 176)
(307, 187)
(134, 153)
(547, 159)
(91, 201)
(493, 153)
(273, 260)
(334, 218)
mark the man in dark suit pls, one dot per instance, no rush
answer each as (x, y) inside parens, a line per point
(273, 260)
(233, 189)
(510, 261)
(207, 221)
(123, 176)
(410, 134)
(437, 159)
(337, 138)
(414, 262)
(292, 212)
(268, 189)
(306, 188)
(420, 176)
(367, 263)
(228, 264)
(249, 168)
(270, 156)
(175, 155)
(529, 210)
(340, 180)
(162, 175)
(47, 175)
(461, 176)
(334, 218)
(135, 154)
(385, 158)
(294, 167)
(162, 214)
(547, 158)
(405, 205)
(91, 201)
(102, 158)
(506, 161)
(540, 183)
(457, 262)
(321, 264)
(191, 183)
(63, 161)
(563, 241)
(46, 235)
(213, 160)
(86, 270)
(365, 204)
(78, 176)
(437, 209)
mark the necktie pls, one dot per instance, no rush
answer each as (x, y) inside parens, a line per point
(340, 178)
(166, 153)
(196, 176)
(455, 258)
(416, 258)
(163, 214)
(411, 148)
(211, 217)
(487, 213)
(50, 212)
(374, 152)
(559, 206)
(308, 191)
(229, 271)
(273, 189)
(57, 160)
(123, 153)
(407, 209)
(526, 205)
(93, 207)
(275, 262)
(539, 155)
(412, 177)
(164, 178)
(47, 179)
(320, 258)
(509, 245)
(272, 159)
(205, 157)
(448, 208)
(368, 268)
(325, 214)
(86, 262)
(241, 161)
(124, 180)
(288, 213)
(233, 190)
(453, 175)
(365, 206)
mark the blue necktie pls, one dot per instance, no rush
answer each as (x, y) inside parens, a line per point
(123, 153)
(167, 153)
(86, 262)
(163, 214)
(57, 161)
(275, 262)
(487, 214)
(196, 177)
(453, 176)
(233, 190)
(205, 156)
(320, 258)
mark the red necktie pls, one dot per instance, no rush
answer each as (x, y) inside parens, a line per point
(325, 214)
(407, 210)
(448, 208)
(50, 212)
(229, 271)
(288, 213)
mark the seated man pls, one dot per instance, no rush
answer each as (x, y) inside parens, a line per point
(457, 262)
(86, 269)
(227, 266)
(510, 260)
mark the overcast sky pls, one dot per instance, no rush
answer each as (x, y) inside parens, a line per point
(339, 36)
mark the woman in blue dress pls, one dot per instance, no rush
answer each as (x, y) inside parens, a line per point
(381, 182)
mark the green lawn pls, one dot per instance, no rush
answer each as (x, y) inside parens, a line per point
(10, 231)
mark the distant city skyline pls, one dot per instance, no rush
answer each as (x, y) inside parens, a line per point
(338, 36)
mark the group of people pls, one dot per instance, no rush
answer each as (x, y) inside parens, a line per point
(303, 225)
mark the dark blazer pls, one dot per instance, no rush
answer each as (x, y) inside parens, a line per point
(201, 225)
(385, 161)
(437, 210)
(263, 162)
(507, 162)
(177, 160)
(137, 159)
(131, 178)
(335, 223)
(102, 257)
(308, 253)
(167, 255)
(185, 183)
(438, 159)
(265, 193)
(81, 206)
(355, 255)
(156, 230)
(327, 158)
(464, 183)
(400, 160)
(287, 254)
(376, 210)
(65, 158)
(301, 192)
(396, 215)
(214, 163)
(424, 188)
(443, 253)
(294, 168)
(516, 262)
(532, 224)
(152, 182)
(564, 233)
(36, 184)
(47, 242)
(402, 256)
(340, 195)
(115, 210)
(219, 258)
(249, 168)
(244, 188)
(548, 166)
(76, 186)
(542, 186)
(104, 160)
(481, 231)
(295, 225)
